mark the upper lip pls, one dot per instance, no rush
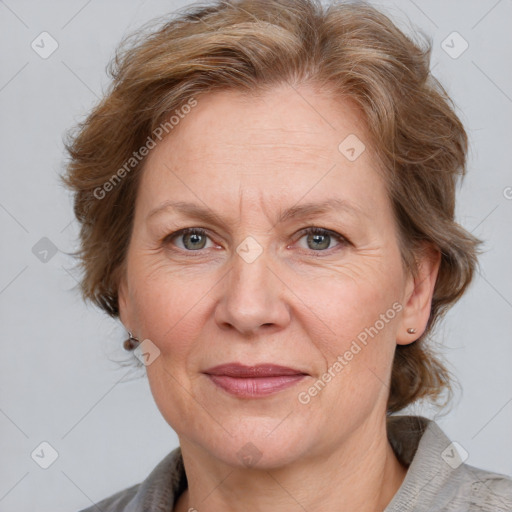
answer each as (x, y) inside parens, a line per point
(260, 370)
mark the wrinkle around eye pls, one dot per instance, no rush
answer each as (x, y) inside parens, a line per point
(168, 236)
(178, 235)
(342, 240)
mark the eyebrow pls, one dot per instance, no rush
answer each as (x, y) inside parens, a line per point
(303, 210)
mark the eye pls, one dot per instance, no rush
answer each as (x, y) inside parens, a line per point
(319, 239)
(193, 239)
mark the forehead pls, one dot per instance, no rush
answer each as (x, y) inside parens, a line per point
(284, 142)
(306, 119)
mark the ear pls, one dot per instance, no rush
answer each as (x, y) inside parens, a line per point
(419, 290)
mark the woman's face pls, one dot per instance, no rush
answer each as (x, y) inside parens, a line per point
(254, 288)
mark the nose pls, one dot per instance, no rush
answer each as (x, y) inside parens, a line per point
(253, 298)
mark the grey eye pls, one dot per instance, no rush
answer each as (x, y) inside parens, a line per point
(319, 239)
(194, 241)
(316, 241)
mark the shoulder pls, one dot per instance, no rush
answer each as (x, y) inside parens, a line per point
(438, 478)
(116, 503)
(466, 487)
(485, 491)
(157, 492)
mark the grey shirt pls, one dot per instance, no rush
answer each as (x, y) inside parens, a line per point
(437, 479)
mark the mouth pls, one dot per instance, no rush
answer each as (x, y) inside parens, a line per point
(254, 381)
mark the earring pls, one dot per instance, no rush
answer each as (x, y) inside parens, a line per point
(411, 330)
(131, 342)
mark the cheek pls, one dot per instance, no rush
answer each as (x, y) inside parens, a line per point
(358, 356)
(361, 317)
(347, 303)
(167, 305)
(169, 310)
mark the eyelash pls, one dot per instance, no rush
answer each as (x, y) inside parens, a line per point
(313, 230)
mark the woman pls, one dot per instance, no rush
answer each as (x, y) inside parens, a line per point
(266, 196)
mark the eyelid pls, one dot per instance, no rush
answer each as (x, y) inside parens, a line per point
(342, 240)
(180, 232)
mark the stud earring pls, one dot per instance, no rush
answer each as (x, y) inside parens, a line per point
(411, 330)
(131, 342)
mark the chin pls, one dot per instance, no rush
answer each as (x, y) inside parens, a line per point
(257, 443)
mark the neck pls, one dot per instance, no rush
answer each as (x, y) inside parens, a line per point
(364, 475)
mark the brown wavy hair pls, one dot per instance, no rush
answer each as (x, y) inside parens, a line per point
(353, 50)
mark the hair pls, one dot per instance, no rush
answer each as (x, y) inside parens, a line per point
(352, 50)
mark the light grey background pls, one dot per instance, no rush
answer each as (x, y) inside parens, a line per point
(59, 382)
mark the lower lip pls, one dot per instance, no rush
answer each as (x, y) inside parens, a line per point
(249, 387)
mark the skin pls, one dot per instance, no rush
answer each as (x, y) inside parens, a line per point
(247, 159)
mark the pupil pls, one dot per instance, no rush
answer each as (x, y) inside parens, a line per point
(318, 239)
(195, 238)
